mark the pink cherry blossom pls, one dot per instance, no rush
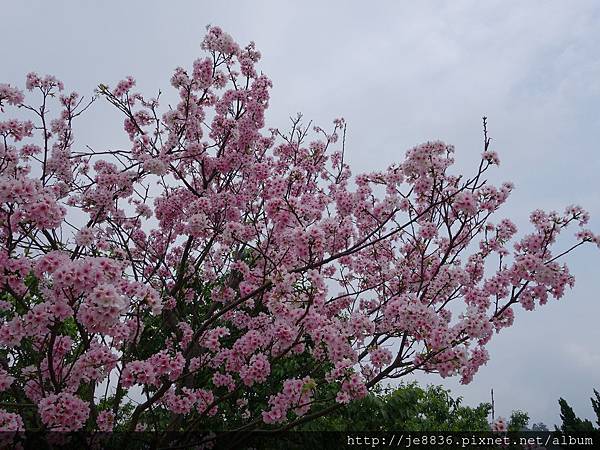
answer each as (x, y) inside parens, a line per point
(214, 266)
(10, 421)
(63, 412)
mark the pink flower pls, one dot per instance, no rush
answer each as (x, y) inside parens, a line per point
(5, 380)
(10, 421)
(84, 237)
(155, 166)
(124, 86)
(499, 425)
(12, 95)
(63, 412)
(465, 202)
(105, 421)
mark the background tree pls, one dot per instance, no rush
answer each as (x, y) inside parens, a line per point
(576, 427)
(216, 276)
(573, 424)
(518, 421)
(596, 406)
(408, 407)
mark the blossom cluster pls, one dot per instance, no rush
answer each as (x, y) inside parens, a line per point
(63, 412)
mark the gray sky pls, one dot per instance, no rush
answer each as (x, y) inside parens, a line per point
(400, 73)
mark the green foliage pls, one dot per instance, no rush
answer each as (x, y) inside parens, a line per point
(596, 406)
(407, 407)
(539, 426)
(570, 422)
(573, 425)
(519, 421)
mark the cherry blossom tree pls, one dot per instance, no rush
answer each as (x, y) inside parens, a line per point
(218, 274)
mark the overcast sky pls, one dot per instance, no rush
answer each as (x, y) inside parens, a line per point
(400, 73)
